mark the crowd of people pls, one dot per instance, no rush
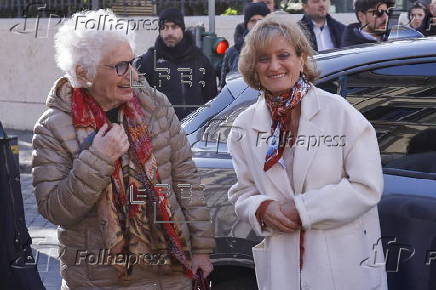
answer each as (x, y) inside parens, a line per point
(325, 32)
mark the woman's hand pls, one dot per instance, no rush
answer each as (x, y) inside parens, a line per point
(112, 143)
(201, 261)
(290, 211)
(277, 220)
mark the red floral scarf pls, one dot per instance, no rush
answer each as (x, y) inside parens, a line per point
(281, 107)
(130, 205)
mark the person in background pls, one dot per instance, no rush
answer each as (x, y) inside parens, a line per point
(253, 12)
(417, 15)
(238, 35)
(315, 204)
(323, 30)
(372, 26)
(181, 71)
(429, 24)
(100, 151)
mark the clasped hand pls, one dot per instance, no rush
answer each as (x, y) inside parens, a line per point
(111, 142)
(282, 216)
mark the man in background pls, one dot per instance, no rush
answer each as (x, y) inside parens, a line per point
(176, 67)
(323, 31)
(240, 28)
(253, 12)
(373, 21)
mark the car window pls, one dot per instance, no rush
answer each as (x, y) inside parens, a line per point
(400, 102)
(198, 118)
(213, 135)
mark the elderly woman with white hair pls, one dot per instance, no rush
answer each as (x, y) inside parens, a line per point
(110, 163)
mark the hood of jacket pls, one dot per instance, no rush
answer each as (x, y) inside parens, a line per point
(60, 94)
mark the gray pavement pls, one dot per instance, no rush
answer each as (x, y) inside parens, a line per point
(43, 233)
(44, 237)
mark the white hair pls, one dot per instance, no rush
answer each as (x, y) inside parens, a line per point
(84, 39)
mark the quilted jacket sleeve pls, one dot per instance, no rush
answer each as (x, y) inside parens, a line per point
(184, 171)
(66, 188)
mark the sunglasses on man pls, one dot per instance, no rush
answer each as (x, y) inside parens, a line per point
(379, 12)
(122, 67)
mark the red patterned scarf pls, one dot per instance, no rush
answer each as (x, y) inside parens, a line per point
(130, 205)
(281, 107)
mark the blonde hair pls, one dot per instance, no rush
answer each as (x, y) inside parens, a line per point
(262, 36)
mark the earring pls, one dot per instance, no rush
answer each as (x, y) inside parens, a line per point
(88, 84)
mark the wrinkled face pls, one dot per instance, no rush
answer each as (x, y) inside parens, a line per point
(108, 88)
(277, 66)
(253, 20)
(317, 9)
(374, 20)
(171, 34)
(416, 17)
(269, 4)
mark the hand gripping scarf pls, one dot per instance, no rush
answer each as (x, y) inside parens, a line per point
(130, 205)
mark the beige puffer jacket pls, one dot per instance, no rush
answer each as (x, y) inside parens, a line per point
(67, 184)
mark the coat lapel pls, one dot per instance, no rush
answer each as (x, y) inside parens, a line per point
(305, 151)
(261, 124)
(304, 155)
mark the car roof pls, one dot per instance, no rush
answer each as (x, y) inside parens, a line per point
(349, 57)
(358, 55)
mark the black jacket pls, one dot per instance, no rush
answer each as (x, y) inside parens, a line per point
(336, 30)
(353, 35)
(183, 73)
(238, 35)
(17, 266)
(231, 59)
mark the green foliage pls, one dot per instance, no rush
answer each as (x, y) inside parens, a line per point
(292, 6)
(230, 11)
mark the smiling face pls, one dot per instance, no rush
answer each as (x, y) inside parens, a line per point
(317, 9)
(277, 66)
(109, 89)
(416, 17)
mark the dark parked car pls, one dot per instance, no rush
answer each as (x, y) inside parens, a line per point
(393, 84)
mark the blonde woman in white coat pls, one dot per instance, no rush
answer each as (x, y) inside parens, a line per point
(308, 169)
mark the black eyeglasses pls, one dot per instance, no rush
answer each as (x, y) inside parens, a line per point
(122, 67)
(379, 12)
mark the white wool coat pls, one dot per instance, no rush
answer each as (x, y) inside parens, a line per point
(337, 183)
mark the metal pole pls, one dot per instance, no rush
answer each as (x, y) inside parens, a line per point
(212, 16)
